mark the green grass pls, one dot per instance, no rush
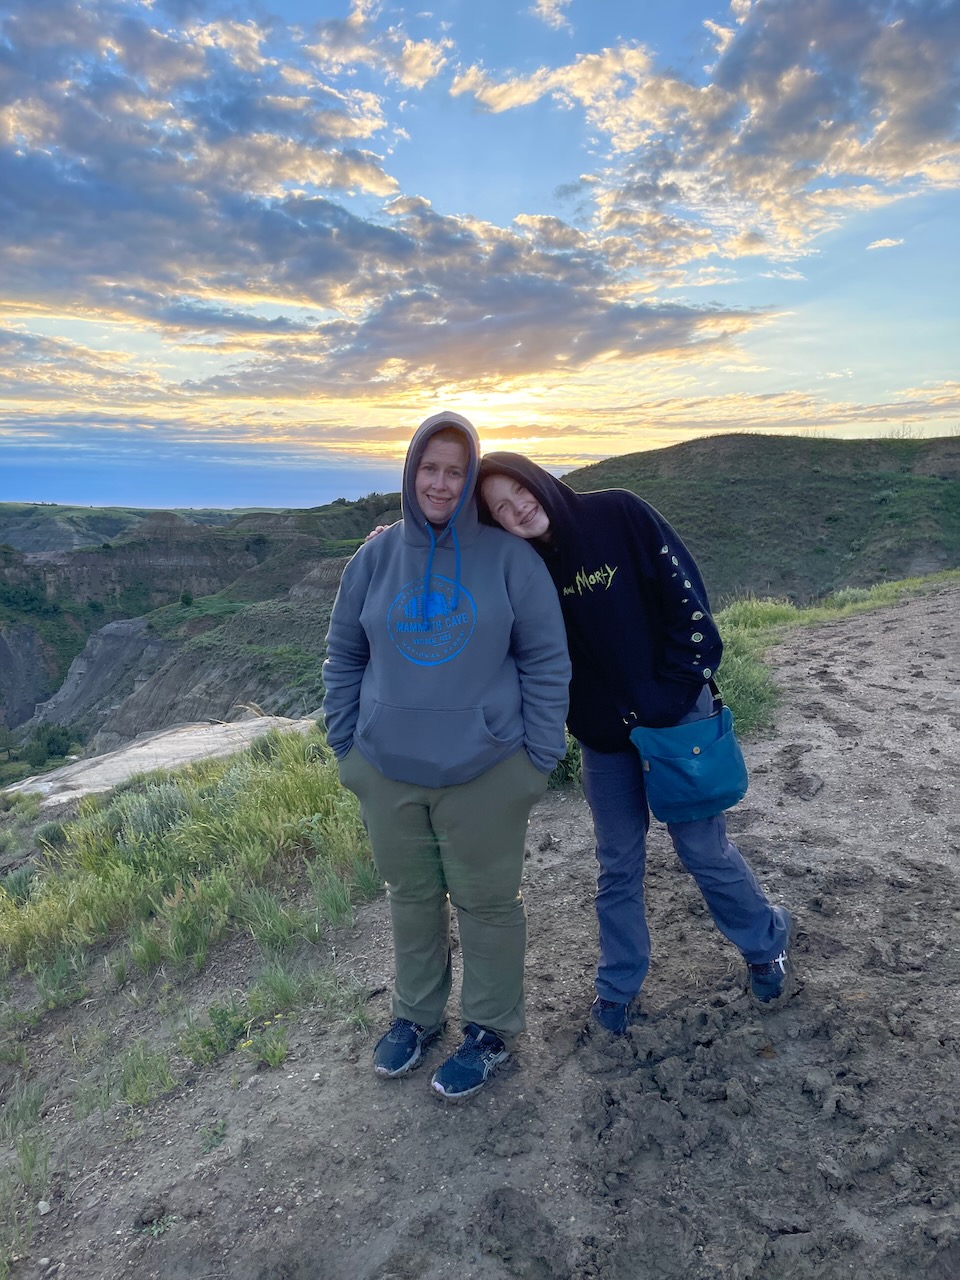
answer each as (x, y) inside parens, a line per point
(268, 1047)
(212, 1135)
(144, 1075)
(205, 1042)
(26, 1176)
(174, 620)
(60, 979)
(21, 1108)
(174, 862)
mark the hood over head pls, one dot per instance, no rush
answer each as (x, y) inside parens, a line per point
(559, 501)
(464, 517)
(463, 523)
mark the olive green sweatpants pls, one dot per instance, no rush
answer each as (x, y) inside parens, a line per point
(462, 845)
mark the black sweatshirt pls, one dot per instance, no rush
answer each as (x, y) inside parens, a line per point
(641, 637)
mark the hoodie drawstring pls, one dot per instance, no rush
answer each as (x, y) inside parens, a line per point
(456, 576)
(426, 597)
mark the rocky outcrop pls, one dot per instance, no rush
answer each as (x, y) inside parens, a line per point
(321, 582)
(116, 661)
(169, 749)
(267, 658)
(148, 572)
(24, 674)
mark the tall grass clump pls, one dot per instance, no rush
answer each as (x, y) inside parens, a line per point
(747, 627)
(144, 1075)
(21, 1110)
(173, 862)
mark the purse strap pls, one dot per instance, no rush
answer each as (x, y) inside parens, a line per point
(631, 719)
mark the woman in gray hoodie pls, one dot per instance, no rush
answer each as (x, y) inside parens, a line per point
(446, 684)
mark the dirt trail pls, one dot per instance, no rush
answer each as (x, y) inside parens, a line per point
(715, 1142)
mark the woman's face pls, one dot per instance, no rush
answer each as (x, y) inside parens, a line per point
(515, 508)
(440, 478)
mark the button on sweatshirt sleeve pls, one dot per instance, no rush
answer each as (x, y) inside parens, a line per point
(691, 646)
(539, 646)
(347, 656)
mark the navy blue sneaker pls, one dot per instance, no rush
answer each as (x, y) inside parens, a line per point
(466, 1072)
(768, 981)
(610, 1015)
(400, 1049)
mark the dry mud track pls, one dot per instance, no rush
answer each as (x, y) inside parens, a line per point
(716, 1142)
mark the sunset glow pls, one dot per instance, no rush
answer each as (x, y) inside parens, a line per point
(244, 252)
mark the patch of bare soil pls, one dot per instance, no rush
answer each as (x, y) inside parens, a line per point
(714, 1142)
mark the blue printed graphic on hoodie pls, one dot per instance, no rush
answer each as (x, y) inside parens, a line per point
(432, 627)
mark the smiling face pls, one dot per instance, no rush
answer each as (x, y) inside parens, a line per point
(515, 508)
(441, 476)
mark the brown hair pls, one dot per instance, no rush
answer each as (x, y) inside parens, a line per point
(453, 435)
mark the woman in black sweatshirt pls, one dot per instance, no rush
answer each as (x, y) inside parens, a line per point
(642, 644)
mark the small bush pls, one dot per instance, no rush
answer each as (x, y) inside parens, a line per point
(52, 834)
(276, 990)
(273, 924)
(568, 769)
(17, 883)
(331, 895)
(227, 1025)
(146, 947)
(268, 1047)
(60, 981)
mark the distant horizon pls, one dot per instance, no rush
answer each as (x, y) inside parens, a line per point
(249, 485)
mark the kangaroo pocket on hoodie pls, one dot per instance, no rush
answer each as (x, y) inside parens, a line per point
(429, 747)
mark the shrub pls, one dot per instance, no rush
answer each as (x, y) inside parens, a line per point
(50, 833)
(17, 883)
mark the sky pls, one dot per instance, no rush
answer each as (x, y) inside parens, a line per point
(246, 248)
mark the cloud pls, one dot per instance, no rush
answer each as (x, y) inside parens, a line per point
(48, 369)
(215, 189)
(551, 12)
(591, 428)
(811, 111)
(420, 61)
(207, 206)
(884, 244)
(343, 45)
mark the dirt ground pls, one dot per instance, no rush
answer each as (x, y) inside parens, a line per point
(715, 1142)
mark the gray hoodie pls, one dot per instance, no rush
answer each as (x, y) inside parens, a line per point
(446, 651)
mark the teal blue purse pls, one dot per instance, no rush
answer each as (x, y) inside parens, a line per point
(692, 771)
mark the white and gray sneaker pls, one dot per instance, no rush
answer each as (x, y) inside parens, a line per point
(400, 1048)
(467, 1070)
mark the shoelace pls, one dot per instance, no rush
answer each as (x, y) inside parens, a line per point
(398, 1030)
(769, 966)
(473, 1051)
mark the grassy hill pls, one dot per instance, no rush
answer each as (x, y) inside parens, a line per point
(50, 526)
(800, 517)
(765, 516)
